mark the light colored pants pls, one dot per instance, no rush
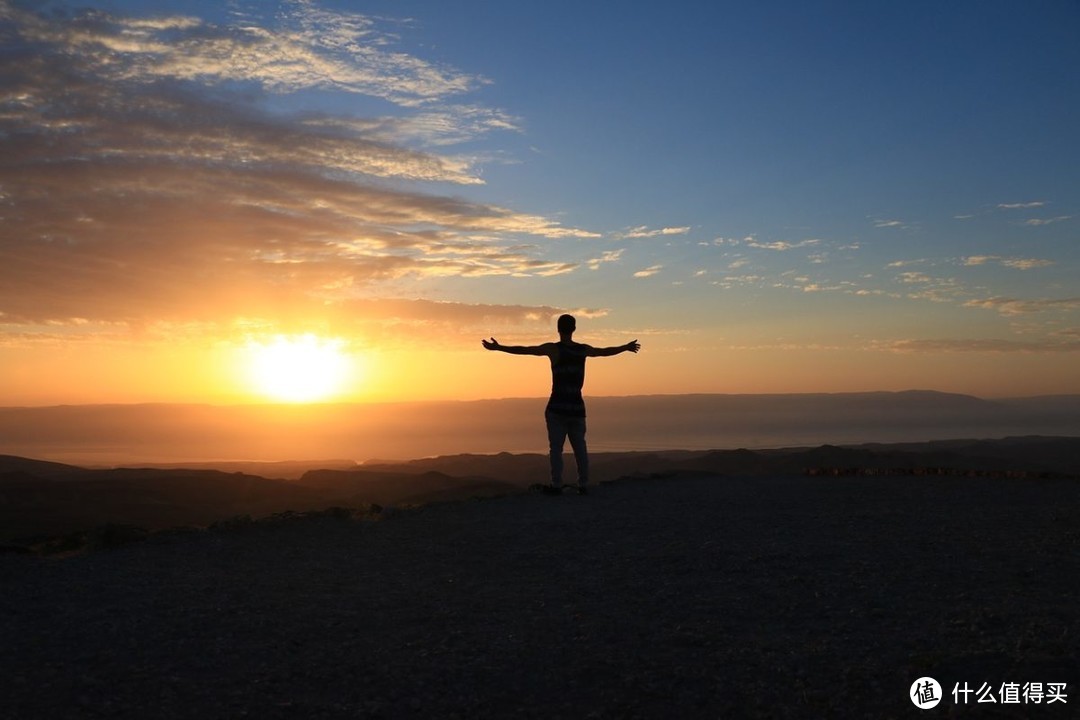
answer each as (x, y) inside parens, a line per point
(559, 428)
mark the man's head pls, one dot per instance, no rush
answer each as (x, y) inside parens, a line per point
(567, 324)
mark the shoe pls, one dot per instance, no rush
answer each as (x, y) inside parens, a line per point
(551, 490)
(582, 490)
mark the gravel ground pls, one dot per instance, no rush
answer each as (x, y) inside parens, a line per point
(679, 597)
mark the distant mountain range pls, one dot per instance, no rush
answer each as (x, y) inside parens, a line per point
(41, 500)
(107, 435)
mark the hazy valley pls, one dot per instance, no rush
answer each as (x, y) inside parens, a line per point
(108, 435)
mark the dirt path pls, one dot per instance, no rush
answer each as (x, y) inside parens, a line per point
(686, 597)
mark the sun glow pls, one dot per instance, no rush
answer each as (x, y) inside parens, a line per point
(297, 369)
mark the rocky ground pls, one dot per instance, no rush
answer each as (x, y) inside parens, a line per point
(688, 596)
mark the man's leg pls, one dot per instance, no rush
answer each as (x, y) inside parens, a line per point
(556, 427)
(576, 430)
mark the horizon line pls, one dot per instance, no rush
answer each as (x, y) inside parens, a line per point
(340, 403)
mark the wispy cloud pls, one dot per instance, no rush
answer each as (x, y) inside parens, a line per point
(924, 286)
(386, 323)
(643, 231)
(1016, 263)
(985, 345)
(1036, 222)
(431, 127)
(782, 245)
(733, 281)
(310, 47)
(889, 223)
(1021, 205)
(721, 241)
(789, 347)
(1026, 263)
(649, 271)
(433, 312)
(817, 287)
(389, 323)
(1013, 307)
(608, 256)
(143, 178)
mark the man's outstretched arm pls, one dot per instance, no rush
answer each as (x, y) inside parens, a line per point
(543, 350)
(632, 346)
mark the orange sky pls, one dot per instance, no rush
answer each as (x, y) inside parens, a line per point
(179, 187)
(459, 369)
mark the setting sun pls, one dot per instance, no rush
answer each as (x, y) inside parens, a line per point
(298, 369)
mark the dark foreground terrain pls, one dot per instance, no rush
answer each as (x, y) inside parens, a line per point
(686, 596)
(49, 508)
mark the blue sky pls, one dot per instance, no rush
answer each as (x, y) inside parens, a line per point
(806, 196)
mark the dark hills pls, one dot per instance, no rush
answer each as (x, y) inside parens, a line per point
(11, 465)
(153, 499)
(41, 499)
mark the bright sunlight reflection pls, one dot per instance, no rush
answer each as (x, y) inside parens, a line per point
(303, 368)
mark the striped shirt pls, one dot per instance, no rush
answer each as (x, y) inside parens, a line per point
(567, 379)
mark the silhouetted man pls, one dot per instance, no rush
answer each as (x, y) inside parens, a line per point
(565, 412)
